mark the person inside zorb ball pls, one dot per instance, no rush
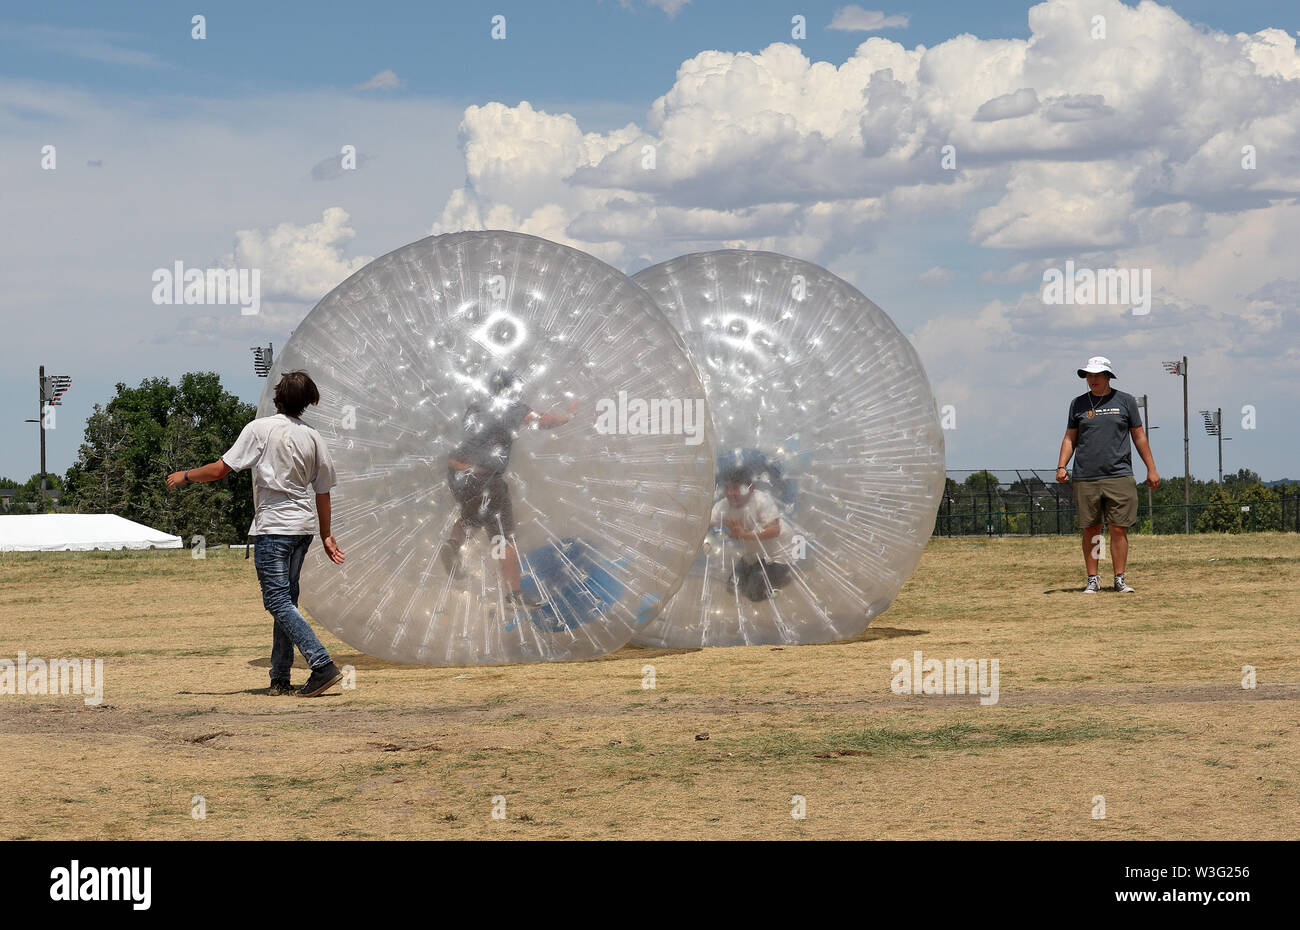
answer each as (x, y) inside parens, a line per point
(476, 475)
(750, 516)
(830, 466)
(491, 514)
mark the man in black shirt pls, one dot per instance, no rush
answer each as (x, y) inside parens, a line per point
(1097, 432)
(476, 473)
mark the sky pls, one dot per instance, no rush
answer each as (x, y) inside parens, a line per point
(1161, 139)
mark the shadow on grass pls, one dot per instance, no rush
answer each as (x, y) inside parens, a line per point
(262, 691)
(355, 659)
(878, 632)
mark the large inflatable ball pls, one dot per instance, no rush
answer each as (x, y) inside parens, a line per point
(525, 459)
(830, 467)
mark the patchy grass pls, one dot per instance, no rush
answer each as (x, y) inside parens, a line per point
(1137, 698)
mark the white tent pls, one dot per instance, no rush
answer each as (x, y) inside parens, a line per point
(56, 532)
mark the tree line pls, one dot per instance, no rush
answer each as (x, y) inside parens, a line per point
(143, 433)
(1032, 505)
(136, 439)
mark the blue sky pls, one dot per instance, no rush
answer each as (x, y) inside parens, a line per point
(173, 149)
(562, 51)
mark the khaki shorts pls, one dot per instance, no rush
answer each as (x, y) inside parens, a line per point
(1113, 501)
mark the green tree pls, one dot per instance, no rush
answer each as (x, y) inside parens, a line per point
(1265, 510)
(1244, 478)
(981, 480)
(141, 435)
(1168, 502)
(947, 521)
(100, 480)
(27, 495)
(1289, 495)
(1220, 515)
(983, 501)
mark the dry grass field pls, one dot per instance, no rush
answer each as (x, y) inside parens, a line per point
(1136, 698)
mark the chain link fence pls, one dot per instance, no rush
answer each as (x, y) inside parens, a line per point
(1029, 502)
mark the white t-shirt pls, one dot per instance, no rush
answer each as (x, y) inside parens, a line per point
(290, 466)
(758, 512)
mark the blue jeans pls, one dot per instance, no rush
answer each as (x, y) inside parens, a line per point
(279, 560)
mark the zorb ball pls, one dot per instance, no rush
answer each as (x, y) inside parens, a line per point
(830, 466)
(524, 455)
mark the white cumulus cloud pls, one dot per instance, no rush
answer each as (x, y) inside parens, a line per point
(299, 262)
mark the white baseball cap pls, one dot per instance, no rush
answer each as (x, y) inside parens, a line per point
(1097, 365)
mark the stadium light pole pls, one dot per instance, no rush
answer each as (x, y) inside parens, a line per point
(1144, 403)
(262, 359)
(51, 391)
(1214, 427)
(40, 426)
(1180, 368)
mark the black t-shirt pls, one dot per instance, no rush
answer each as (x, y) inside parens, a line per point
(490, 429)
(1102, 449)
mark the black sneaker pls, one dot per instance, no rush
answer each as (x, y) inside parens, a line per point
(280, 686)
(321, 680)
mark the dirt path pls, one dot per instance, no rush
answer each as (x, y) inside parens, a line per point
(330, 712)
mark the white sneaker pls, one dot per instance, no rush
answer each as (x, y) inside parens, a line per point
(1122, 586)
(1094, 585)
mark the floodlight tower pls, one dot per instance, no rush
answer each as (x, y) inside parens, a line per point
(1180, 368)
(51, 391)
(1143, 402)
(262, 359)
(1214, 427)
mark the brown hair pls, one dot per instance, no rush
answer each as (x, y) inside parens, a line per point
(294, 392)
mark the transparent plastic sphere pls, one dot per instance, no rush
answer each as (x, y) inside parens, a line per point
(490, 507)
(824, 407)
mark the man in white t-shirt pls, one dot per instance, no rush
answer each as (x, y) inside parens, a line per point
(751, 517)
(291, 466)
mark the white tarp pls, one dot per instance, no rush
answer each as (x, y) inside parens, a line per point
(56, 532)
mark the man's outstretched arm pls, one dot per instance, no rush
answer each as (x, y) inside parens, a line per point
(213, 471)
(551, 420)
